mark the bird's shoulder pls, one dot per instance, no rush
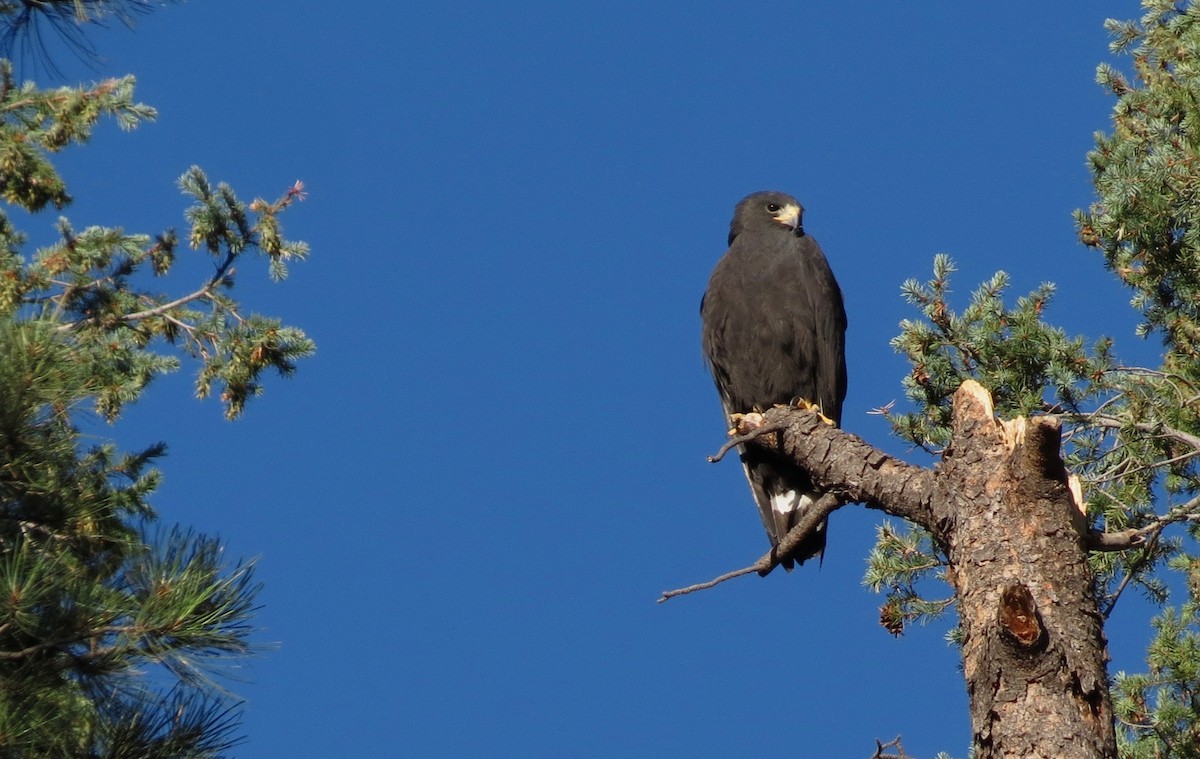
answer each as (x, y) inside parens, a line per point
(771, 258)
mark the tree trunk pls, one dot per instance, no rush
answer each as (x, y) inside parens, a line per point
(1034, 652)
(1002, 506)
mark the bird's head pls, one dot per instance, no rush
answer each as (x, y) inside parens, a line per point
(767, 210)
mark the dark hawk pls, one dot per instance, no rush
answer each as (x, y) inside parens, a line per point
(774, 332)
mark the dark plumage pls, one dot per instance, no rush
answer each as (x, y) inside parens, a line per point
(774, 331)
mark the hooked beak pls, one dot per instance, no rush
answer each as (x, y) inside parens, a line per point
(789, 215)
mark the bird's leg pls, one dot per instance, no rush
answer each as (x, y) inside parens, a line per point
(808, 405)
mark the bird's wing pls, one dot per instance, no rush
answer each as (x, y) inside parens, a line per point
(828, 331)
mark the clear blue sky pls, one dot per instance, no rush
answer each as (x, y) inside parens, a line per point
(465, 506)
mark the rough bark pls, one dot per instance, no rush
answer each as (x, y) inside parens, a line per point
(1006, 514)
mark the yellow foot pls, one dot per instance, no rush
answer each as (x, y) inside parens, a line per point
(744, 424)
(810, 406)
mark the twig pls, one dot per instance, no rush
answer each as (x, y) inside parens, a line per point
(755, 567)
(893, 743)
(1112, 602)
(1112, 422)
(1114, 541)
(1134, 537)
(208, 292)
(203, 292)
(737, 440)
(813, 516)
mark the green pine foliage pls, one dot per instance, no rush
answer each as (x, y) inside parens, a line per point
(1009, 350)
(25, 25)
(1158, 711)
(117, 635)
(903, 559)
(1131, 434)
(1146, 225)
(89, 603)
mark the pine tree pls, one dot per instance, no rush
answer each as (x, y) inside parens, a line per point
(1061, 476)
(1132, 434)
(115, 630)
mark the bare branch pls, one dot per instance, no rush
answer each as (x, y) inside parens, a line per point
(1114, 541)
(844, 465)
(1129, 575)
(1112, 422)
(809, 521)
(755, 567)
(813, 516)
(1135, 537)
(203, 292)
(893, 743)
(736, 440)
(92, 635)
(207, 292)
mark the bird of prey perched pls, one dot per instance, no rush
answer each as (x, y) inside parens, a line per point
(774, 332)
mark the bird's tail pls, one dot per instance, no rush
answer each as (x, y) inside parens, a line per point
(784, 493)
(786, 509)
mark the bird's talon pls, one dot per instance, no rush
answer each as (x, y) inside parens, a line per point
(744, 424)
(808, 405)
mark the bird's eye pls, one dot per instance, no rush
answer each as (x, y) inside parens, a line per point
(774, 207)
